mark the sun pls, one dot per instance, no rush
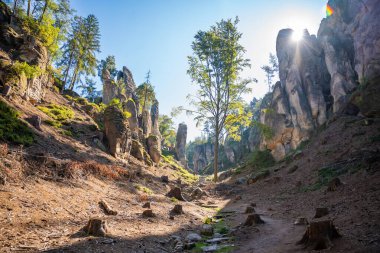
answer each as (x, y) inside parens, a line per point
(297, 34)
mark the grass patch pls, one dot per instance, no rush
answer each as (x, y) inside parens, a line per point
(57, 112)
(12, 129)
(182, 172)
(173, 199)
(143, 189)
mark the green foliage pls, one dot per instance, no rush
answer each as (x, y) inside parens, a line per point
(182, 172)
(143, 189)
(60, 113)
(30, 71)
(146, 94)
(270, 70)
(265, 130)
(12, 129)
(262, 159)
(108, 64)
(53, 123)
(88, 88)
(215, 66)
(173, 199)
(166, 127)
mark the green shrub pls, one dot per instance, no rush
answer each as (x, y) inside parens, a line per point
(57, 112)
(30, 71)
(12, 129)
(262, 159)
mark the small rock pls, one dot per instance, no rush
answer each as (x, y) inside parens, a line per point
(165, 179)
(193, 237)
(241, 180)
(249, 209)
(320, 212)
(146, 205)
(253, 219)
(301, 221)
(148, 213)
(207, 230)
(292, 169)
(238, 198)
(211, 248)
(177, 210)
(198, 193)
(171, 217)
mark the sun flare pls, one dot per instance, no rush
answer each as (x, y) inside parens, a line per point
(297, 35)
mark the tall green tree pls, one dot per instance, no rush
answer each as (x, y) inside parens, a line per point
(145, 93)
(79, 52)
(108, 64)
(217, 61)
(270, 70)
(167, 131)
(88, 88)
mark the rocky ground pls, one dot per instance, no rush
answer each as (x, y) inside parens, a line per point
(48, 213)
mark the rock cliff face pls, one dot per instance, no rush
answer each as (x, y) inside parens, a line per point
(180, 146)
(122, 89)
(17, 45)
(117, 131)
(203, 156)
(319, 74)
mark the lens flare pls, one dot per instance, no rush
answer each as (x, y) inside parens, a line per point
(297, 35)
(329, 10)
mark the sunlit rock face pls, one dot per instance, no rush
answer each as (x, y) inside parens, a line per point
(320, 74)
(300, 102)
(351, 42)
(180, 146)
(122, 88)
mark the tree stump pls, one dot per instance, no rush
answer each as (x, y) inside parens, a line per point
(319, 234)
(165, 179)
(320, 212)
(249, 209)
(35, 121)
(7, 90)
(177, 210)
(333, 184)
(146, 205)
(301, 221)
(96, 227)
(253, 219)
(148, 213)
(176, 193)
(106, 207)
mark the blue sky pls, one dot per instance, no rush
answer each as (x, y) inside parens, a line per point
(157, 35)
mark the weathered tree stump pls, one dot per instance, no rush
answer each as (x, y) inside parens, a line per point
(319, 234)
(165, 179)
(148, 213)
(249, 209)
(7, 90)
(35, 121)
(253, 219)
(177, 210)
(320, 212)
(96, 227)
(107, 208)
(333, 184)
(146, 205)
(176, 193)
(301, 221)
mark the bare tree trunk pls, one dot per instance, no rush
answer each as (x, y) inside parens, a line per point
(67, 70)
(216, 150)
(71, 87)
(44, 10)
(28, 11)
(14, 11)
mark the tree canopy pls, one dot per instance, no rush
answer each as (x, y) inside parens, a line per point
(217, 61)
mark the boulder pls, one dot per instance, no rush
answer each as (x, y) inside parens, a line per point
(153, 144)
(137, 150)
(180, 147)
(146, 123)
(96, 227)
(193, 237)
(165, 179)
(117, 132)
(35, 121)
